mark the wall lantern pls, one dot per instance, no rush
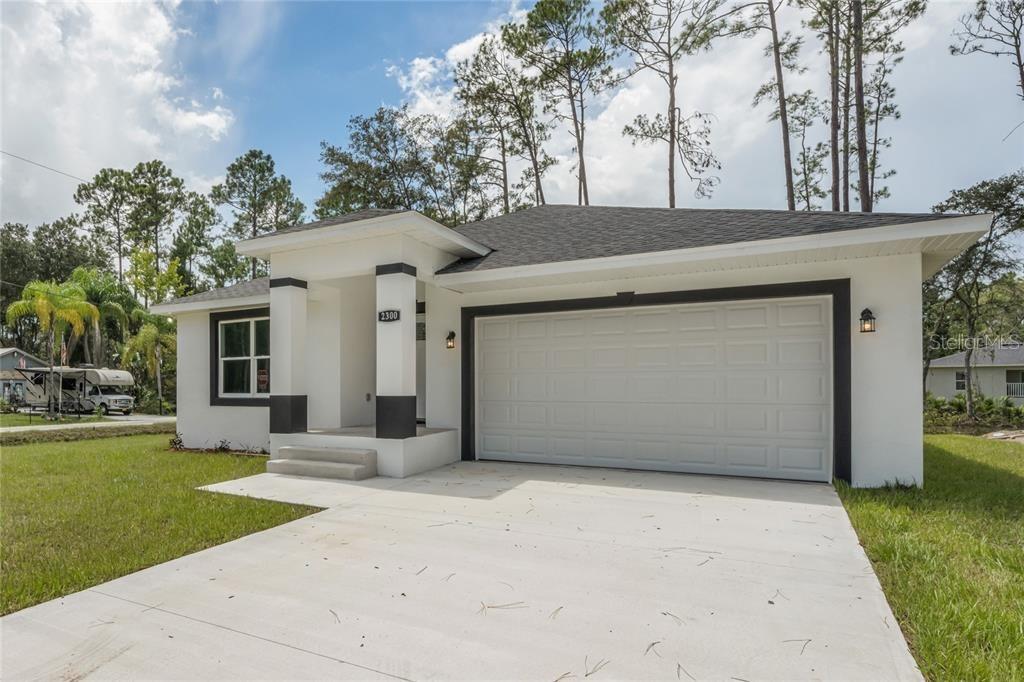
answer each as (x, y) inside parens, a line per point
(867, 320)
(449, 341)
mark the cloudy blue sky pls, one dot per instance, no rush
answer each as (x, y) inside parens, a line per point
(92, 85)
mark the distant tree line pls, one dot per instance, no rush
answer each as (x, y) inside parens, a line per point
(536, 79)
(79, 286)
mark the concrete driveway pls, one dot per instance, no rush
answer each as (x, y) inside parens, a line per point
(495, 571)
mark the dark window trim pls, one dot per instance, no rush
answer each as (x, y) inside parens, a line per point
(215, 320)
(288, 282)
(838, 289)
(393, 268)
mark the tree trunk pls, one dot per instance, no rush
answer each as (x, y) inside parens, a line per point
(833, 63)
(253, 260)
(159, 384)
(847, 67)
(50, 398)
(1020, 65)
(672, 131)
(969, 383)
(85, 348)
(579, 130)
(860, 115)
(924, 379)
(504, 171)
(120, 252)
(780, 88)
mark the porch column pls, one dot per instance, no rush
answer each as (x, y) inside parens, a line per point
(396, 351)
(287, 355)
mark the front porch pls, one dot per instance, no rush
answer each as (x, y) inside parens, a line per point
(428, 449)
(355, 364)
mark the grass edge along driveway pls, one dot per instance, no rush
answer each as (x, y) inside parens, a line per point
(950, 556)
(76, 514)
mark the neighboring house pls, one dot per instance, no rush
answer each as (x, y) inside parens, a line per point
(704, 341)
(997, 371)
(12, 382)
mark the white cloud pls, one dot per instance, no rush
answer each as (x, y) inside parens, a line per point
(90, 85)
(945, 138)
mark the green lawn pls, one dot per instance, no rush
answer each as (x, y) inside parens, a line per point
(950, 557)
(79, 513)
(22, 419)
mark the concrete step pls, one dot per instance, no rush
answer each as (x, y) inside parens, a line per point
(318, 469)
(338, 455)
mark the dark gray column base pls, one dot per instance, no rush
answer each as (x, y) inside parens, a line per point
(287, 413)
(396, 416)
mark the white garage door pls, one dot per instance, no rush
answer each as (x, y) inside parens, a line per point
(739, 388)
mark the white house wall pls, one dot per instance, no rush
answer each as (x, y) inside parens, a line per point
(990, 381)
(323, 362)
(886, 413)
(202, 425)
(357, 353)
(444, 366)
(331, 261)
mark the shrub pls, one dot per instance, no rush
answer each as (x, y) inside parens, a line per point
(942, 415)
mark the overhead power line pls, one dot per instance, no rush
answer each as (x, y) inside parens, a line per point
(41, 165)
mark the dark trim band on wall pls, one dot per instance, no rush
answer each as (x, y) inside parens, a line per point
(215, 320)
(393, 268)
(396, 416)
(838, 289)
(288, 282)
(288, 413)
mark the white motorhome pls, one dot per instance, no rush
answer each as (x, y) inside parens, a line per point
(83, 389)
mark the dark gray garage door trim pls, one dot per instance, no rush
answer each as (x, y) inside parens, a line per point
(838, 289)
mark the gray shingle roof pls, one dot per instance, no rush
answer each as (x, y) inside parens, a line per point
(255, 287)
(553, 233)
(1011, 354)
(364, 214)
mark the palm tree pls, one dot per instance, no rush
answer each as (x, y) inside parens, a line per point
(56, 308)
(150, 344)
(103, 291)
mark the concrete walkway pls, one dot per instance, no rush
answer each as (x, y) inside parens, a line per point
(494, 571)
(115, 421)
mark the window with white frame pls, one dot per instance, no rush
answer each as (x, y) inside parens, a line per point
(961, 381)
(244, 358)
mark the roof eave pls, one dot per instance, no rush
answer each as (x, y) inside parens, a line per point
(969, 227)
(408, 221)
(172, 309)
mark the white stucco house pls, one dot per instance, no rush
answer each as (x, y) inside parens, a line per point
(703, 341)
(996, 371)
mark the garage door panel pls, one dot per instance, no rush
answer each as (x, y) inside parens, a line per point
(796, 422)
(569, 358)
(802, 314)
(697, 388)
(747, 317)
(703, 354)
(741, 388)
(801, 459)
(802, 352)
(531, 359)
(748, 388)
(746, 419)
(747, 456)
(803, 387)
(698, 320)
(747, 353)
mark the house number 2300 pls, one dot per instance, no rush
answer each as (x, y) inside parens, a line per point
(388, 316)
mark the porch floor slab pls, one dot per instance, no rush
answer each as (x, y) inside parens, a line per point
(495, 571)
